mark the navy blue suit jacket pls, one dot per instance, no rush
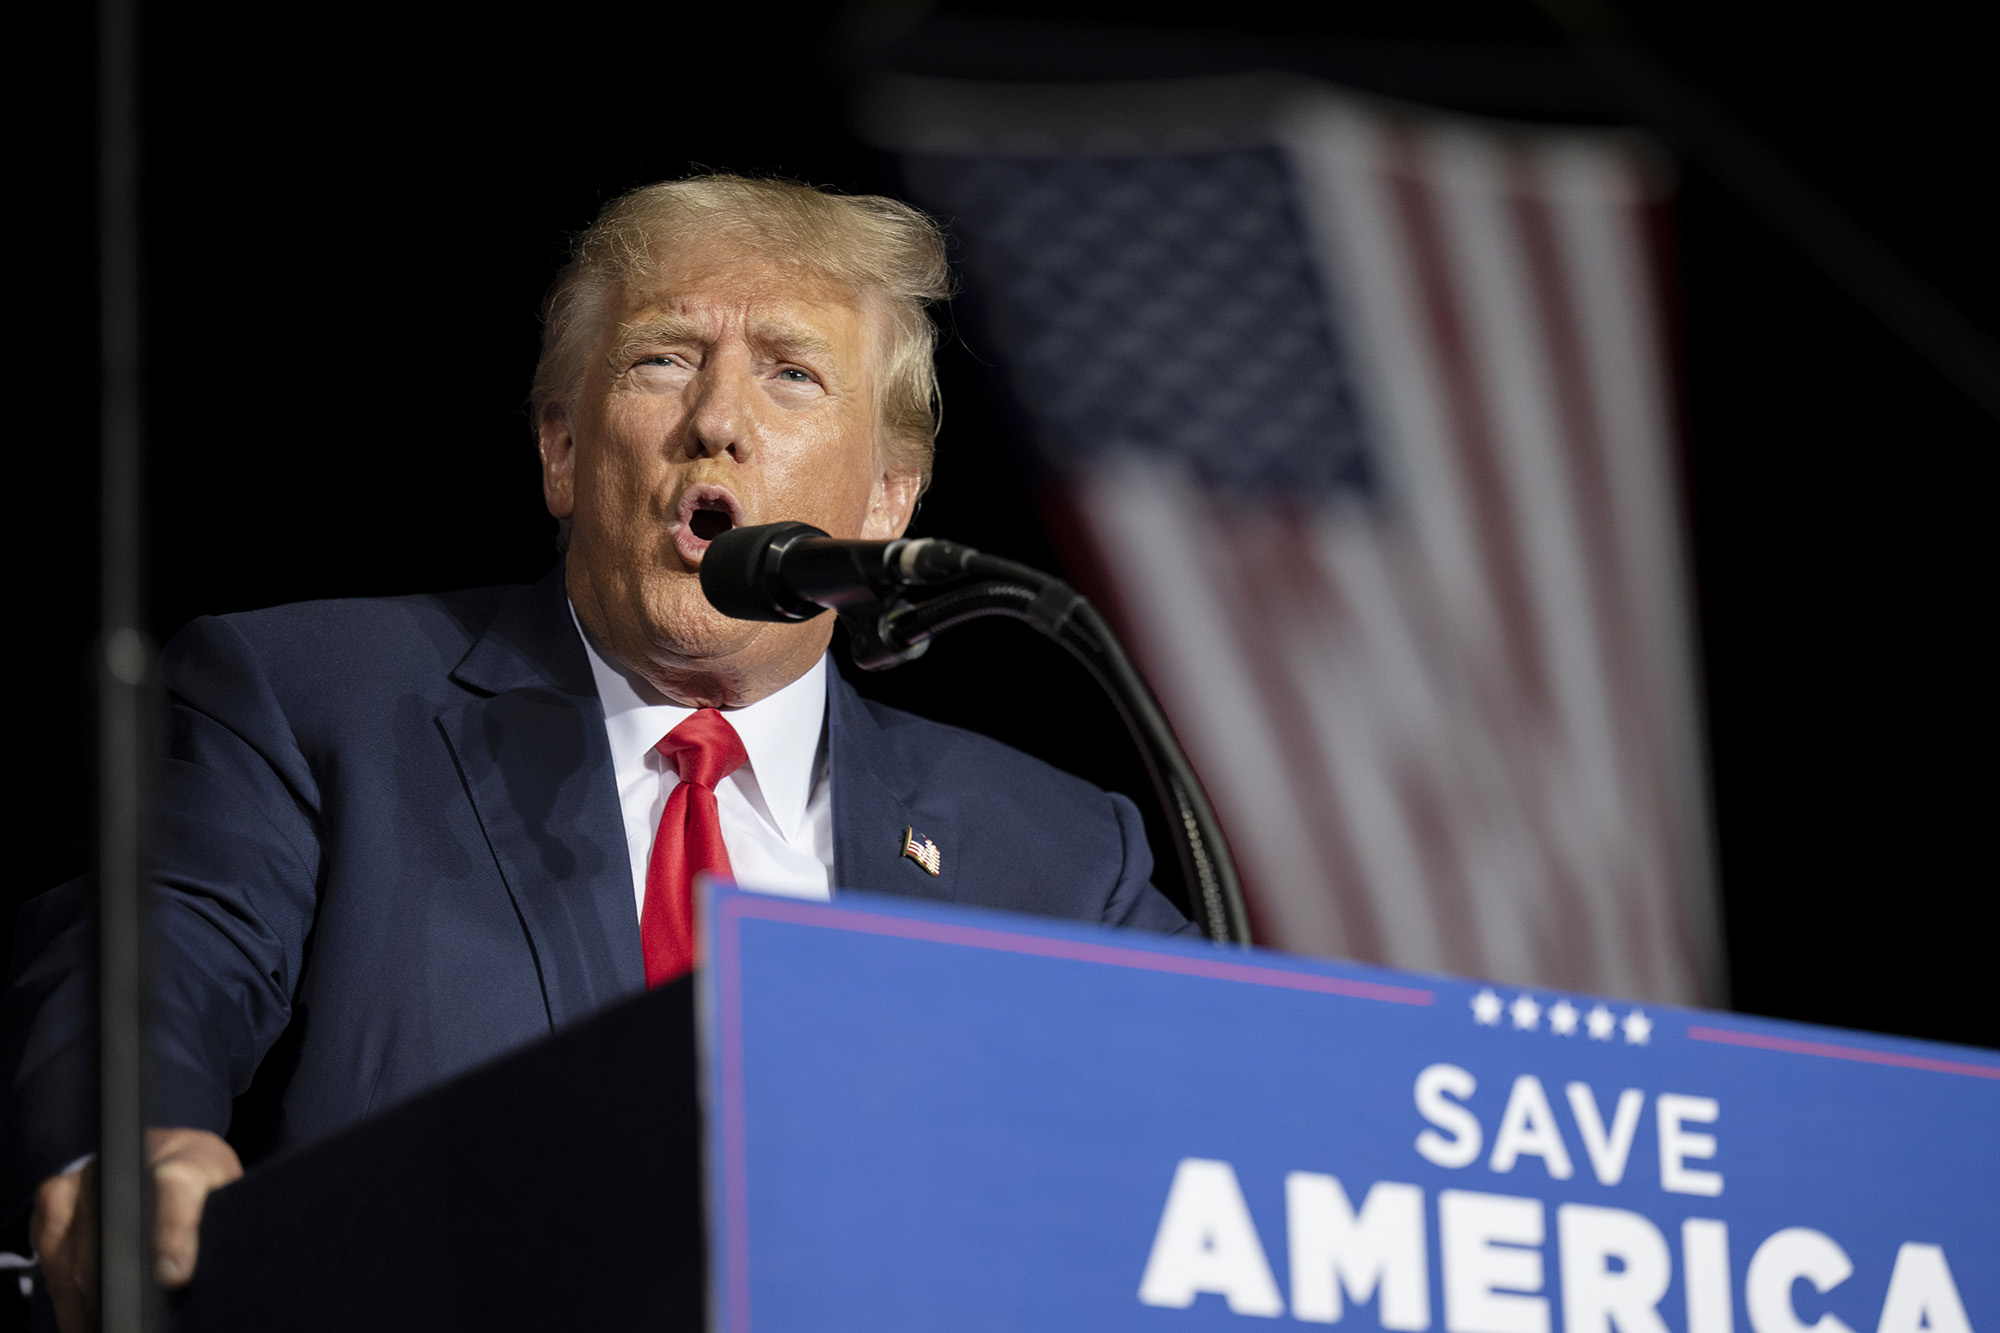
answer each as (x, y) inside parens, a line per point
(390, 848)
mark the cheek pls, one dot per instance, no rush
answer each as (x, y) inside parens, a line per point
(830, 486)
(619, 456)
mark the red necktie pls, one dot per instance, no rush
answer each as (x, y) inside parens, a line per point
(704, 750)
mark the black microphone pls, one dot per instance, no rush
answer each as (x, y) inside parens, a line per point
(794, 571)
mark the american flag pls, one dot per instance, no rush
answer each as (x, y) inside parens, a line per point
(1364, 414)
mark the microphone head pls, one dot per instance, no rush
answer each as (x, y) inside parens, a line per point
(739, 573)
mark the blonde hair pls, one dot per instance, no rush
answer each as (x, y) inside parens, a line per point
(866, 242)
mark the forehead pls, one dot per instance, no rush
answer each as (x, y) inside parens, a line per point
(717, 283)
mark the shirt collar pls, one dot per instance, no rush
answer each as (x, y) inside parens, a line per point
(780, 732)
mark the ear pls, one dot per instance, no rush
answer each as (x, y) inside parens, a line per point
(892, 505)
(558, 449)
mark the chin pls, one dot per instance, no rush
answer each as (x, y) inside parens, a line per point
(683, 622)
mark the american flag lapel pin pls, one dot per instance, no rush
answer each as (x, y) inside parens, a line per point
(922, 850)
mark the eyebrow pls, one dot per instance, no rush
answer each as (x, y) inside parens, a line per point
(776, 337)
(790, 341)
(659, 329)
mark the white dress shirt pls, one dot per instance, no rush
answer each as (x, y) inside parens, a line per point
(777, 809)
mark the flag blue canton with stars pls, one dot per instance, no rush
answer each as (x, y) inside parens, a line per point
(1166, 305)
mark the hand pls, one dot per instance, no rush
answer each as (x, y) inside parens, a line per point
(63, 1228)
(187, 1165)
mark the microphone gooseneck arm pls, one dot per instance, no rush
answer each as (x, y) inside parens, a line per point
(793, 571)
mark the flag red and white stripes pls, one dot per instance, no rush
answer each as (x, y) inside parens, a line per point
(1364, 411)
(1458, 732)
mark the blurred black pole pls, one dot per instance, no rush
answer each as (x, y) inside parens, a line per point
(1871, 274)
(125, 662)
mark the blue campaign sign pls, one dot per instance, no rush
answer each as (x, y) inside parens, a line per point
(926, 1118)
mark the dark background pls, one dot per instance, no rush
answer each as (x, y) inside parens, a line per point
(352, 214)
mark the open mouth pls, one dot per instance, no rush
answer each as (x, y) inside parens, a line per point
(706, 512)
(708, 523)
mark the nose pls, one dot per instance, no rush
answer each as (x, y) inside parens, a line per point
(722, 422)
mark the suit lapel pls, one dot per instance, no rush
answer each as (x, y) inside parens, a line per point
(877, 793)
(537, 768)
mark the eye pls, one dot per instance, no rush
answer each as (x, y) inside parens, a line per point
(795, 375)
(663, 359)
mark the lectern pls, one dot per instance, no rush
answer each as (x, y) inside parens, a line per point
(920, 1117)
(559, 1188)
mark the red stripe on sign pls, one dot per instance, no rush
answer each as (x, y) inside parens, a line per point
(1828, 1050)
(827, 917)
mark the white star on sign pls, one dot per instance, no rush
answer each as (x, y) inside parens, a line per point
(1526, 1012)
(1600, 1022)
(1562, 1019)
(1638, 1028)
(1486, 1008)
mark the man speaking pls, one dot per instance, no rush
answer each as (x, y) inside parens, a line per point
(398, 838)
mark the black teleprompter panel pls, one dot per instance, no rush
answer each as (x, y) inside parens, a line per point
(559, 1187)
